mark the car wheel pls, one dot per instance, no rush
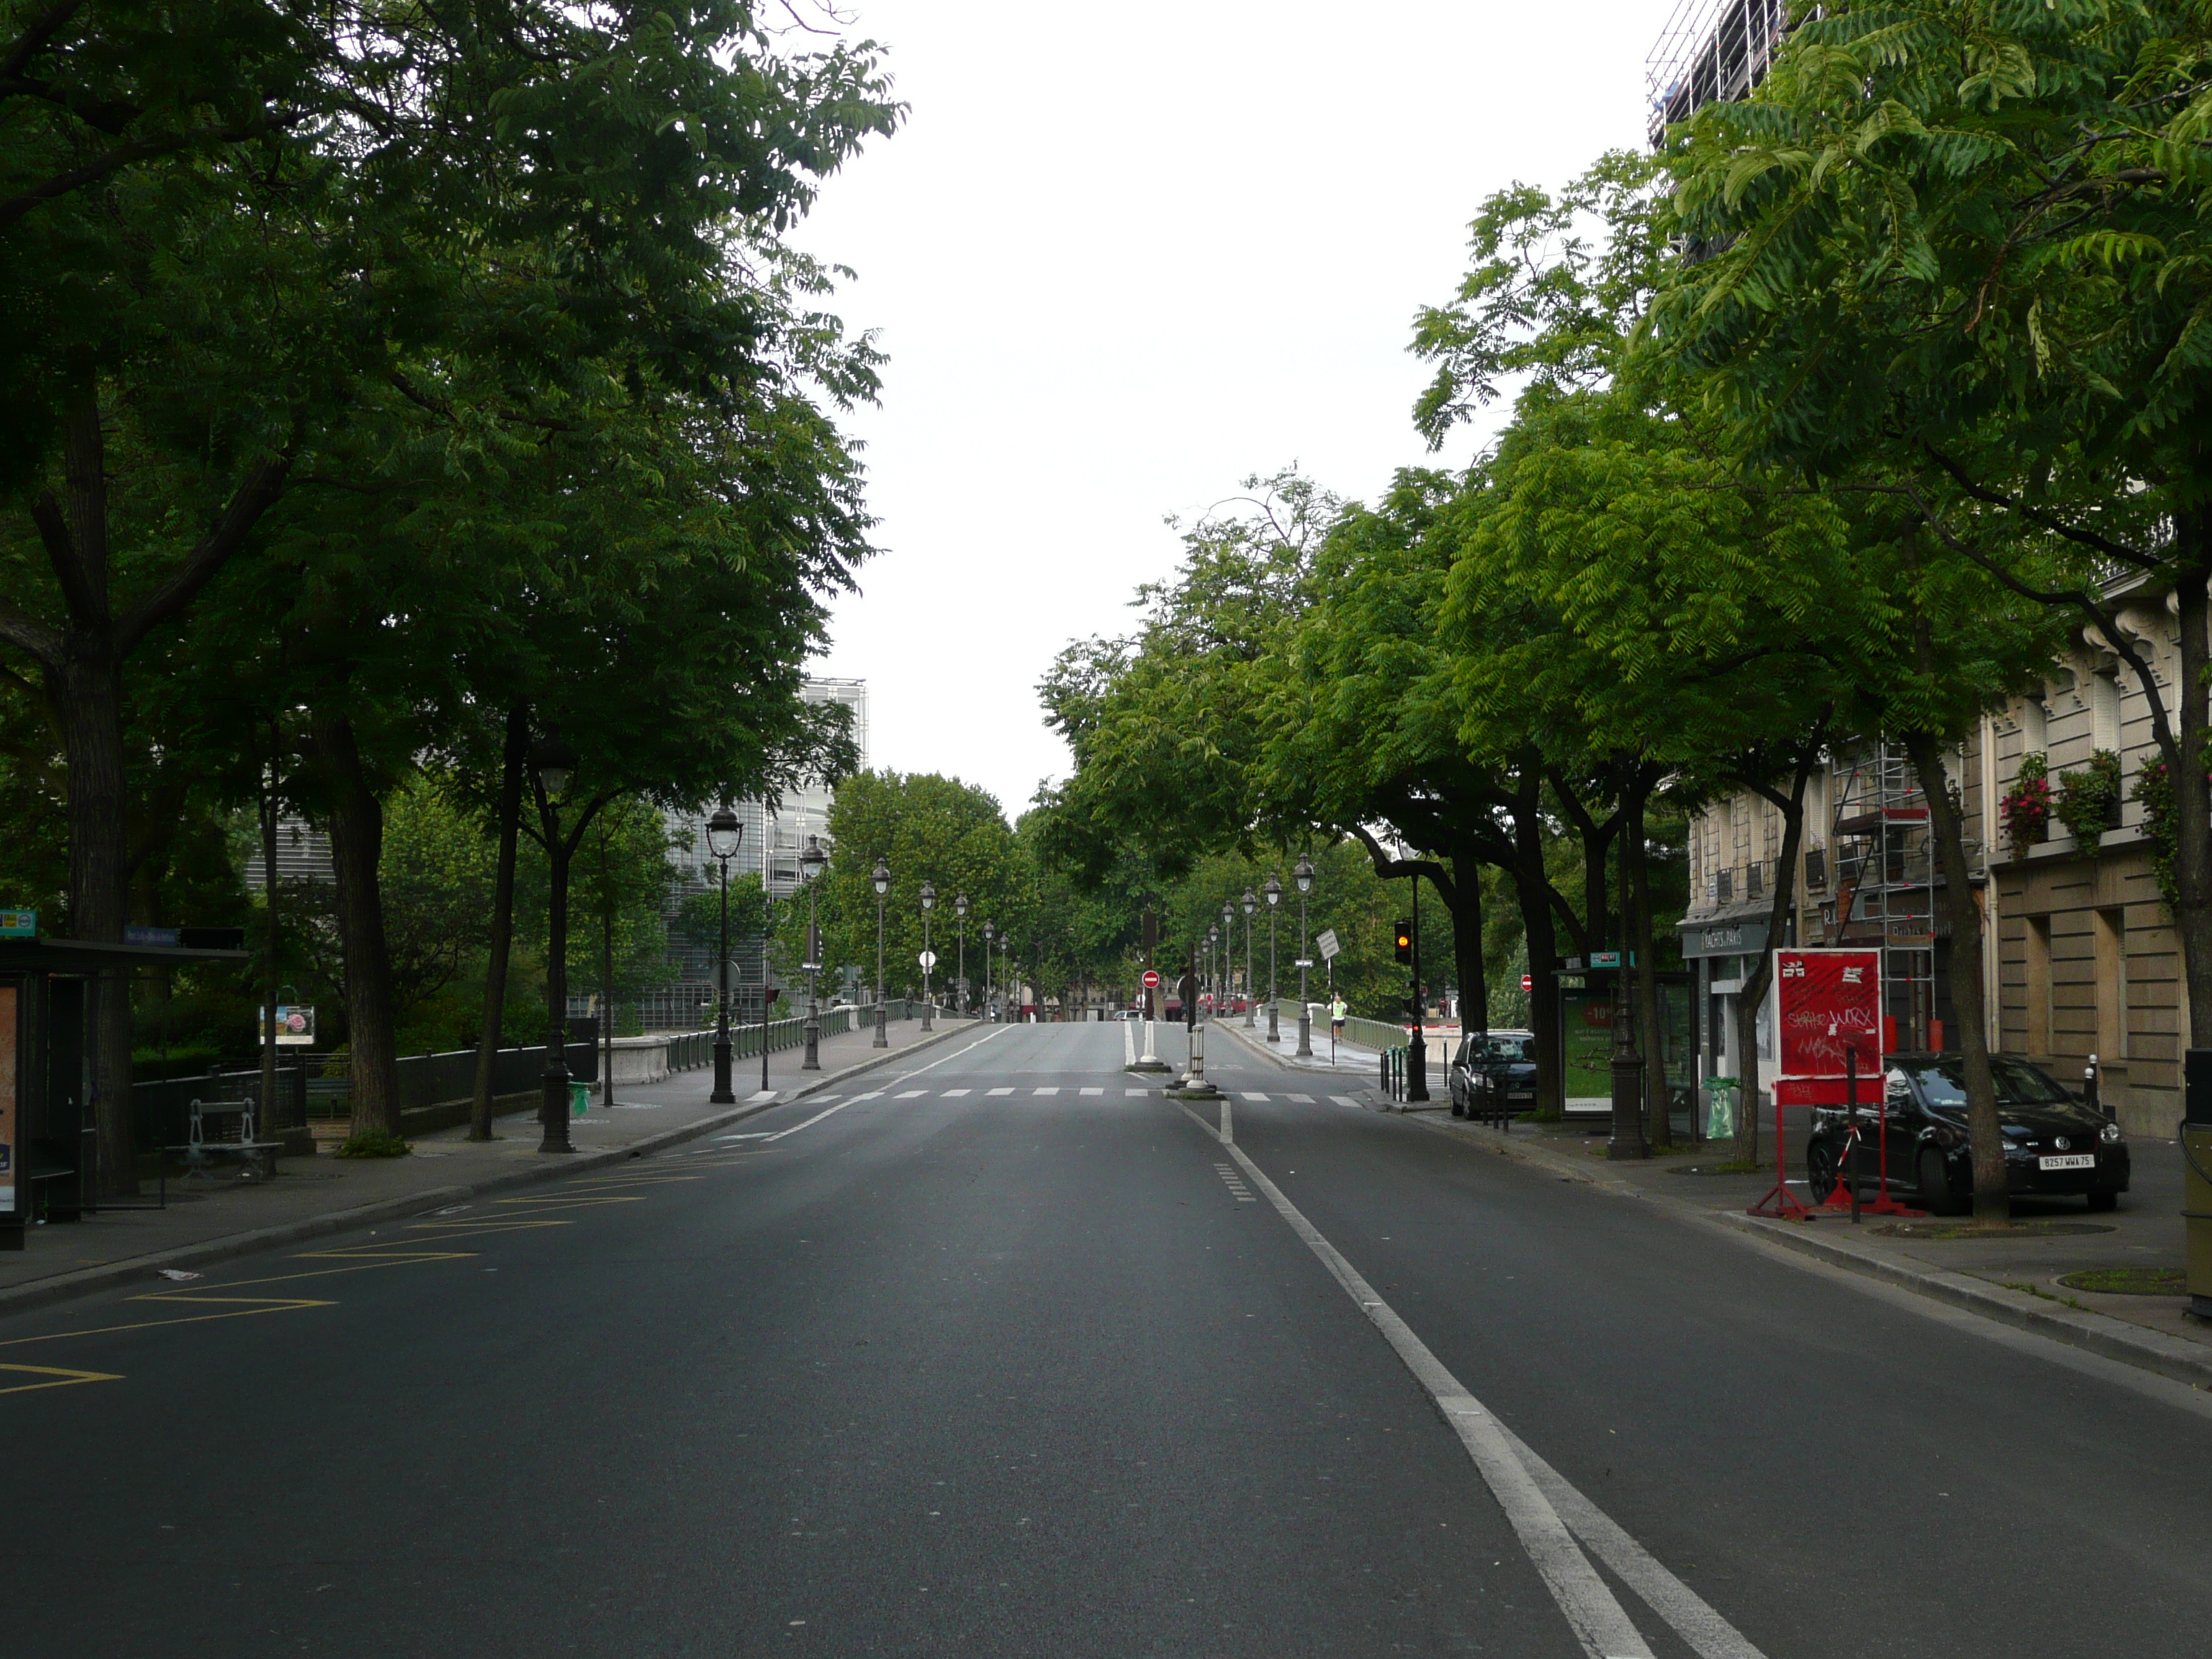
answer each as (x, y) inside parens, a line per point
(2103, 1201)
(1935, 1183)
(1821, 1169)
(1459, 1102)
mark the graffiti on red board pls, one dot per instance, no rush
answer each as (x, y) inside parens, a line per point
(1827, 1006)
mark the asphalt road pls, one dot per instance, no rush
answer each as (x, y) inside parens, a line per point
(1017, 1358)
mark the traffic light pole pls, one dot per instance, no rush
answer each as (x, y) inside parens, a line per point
(1417, 1055)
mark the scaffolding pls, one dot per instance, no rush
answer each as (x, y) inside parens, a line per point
(1711, 50)
(1884, 892)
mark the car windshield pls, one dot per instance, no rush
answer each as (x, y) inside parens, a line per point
(1943, 1082)
(1482, 1048)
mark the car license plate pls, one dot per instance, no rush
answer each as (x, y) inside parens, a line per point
(2067, 1161)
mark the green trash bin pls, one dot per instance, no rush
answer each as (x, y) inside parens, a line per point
(579, 1099)
(1720, 1107)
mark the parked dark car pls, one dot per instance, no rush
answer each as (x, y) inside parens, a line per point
(2054, 1145)
(1493, 1071)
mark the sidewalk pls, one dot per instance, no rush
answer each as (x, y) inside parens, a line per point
(2015, 1279)
(212, 1217)
(1349, 1060)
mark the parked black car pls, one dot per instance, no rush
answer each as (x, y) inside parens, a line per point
(1493, 1071)
(2054, 1145)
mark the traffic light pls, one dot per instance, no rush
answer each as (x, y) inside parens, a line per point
(1405, 941)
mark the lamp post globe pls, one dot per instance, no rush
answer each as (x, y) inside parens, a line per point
(725, 834)
(882, 880)
(1272, 889)
(1303, 874)
(810, 867)
(928, 903)
(554, 763)
(960, 967)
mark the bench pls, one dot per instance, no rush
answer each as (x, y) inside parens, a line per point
(259, 1157)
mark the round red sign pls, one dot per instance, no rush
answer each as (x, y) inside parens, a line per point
(1152, 979)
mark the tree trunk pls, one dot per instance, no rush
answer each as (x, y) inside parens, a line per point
(1636, 862)
(2192, 864)
(513, 761)
(1535, 893)
(272, 938)
(607, 974)
(356, 821)
(86, 694)
(1992, 1202)
(1467, 944)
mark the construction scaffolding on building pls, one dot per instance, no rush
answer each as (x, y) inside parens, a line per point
(1710, 50)
(1885, 876)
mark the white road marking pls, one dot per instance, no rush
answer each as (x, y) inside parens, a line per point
(1228, 1173)
(998, 1091)
(1054, 1090)
(910, 1094)
(1345, 1100)
(1226, 1136)
(954, 1094)
(1248, 1096)
(1541, 1505)
(872, 1094)
(1136, 1094)
(1304, 1100)
(1090, 1091)
(757, 1135)
(832, 1111)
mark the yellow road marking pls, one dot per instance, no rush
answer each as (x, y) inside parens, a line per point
(62, 1379)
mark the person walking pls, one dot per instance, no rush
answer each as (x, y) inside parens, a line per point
(1336, 1013)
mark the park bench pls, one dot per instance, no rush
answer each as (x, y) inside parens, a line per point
(257, 1156)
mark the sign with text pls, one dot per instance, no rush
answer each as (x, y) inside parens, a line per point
(19, 924)
(1827, 1006)
(296, 1025)
(1329, 948)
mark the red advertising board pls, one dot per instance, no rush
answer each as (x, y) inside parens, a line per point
(1827, 1005)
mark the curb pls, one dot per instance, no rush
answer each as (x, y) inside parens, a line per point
(1253, 1045)
(85, 1280)
(2170, 1357)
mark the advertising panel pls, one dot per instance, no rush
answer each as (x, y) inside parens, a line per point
(1586, 1038)
(11, 1102)
(1827, 1006)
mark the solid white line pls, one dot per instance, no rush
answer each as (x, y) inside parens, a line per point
(1226, 1132)
(1539, 1503)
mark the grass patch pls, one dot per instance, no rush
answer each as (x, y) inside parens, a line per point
(1947, 1230)
(374, 1143)
(1735, 1166)
(2129, 1281)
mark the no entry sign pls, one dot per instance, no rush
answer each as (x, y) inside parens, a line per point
(1827, 1007)
(1152, 979)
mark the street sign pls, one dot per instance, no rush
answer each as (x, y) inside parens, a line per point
(19, 924)
(1326, 939)
(1152, 979)
(1604, 959)
(1303, 962)
(929, 960)
(1527, 983)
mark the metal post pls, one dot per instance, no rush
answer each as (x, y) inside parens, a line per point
(1251, 1002)
(1627, 1140)
(768, 933)
(1305, 1014)
(1417, 1056)
(1274, 893)
(928, 899)
(883, 880)
(813, 1061)
(722, 1095)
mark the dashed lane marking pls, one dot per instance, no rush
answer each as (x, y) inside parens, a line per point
(1136, 1094)
(1052, 1090)
(872, 1094)
(1235, 1182)
(909, 1094)
(954, 1094)
(1303, 1100)
(1250, 1096)
(1345, 1100)
(998, 1091)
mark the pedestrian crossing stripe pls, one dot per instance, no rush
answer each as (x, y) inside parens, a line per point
(998, 1091)
(911, 1094)
(954, 1094)
(1045, 1091)
(1304, 1100)
(872, 1094)
(1136, 1094)
(1091, 1091)
(1345, 1100)
(1254, 1097)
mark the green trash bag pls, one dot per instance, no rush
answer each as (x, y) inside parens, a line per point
(1720, 1107)
(579, 1099)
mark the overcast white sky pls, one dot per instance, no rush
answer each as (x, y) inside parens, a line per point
(1120, 261)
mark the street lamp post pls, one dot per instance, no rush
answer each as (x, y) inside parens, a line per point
(725, 834)
(555, 761)
(768, 933)
(928, 903)
(1274, 889)
(1213, 965)
(1250, 903)
(1302, 873)
(810, 866)
(990, 933)
(883, 884)
(960, 969)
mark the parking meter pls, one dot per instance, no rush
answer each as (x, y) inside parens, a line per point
(2197, 1176)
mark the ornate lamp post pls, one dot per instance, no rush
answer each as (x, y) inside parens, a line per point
(929, 960)
(1214, 965)
(883, 884)
(725, 834)
(767, 935)
(1274, 889)
(1302, 873)
(810, 866)
(990, 933)
(1250, 903)
(960, 969)
(555, 761)
(1228, 952)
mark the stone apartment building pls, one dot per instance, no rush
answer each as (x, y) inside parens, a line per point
(2085, 959)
